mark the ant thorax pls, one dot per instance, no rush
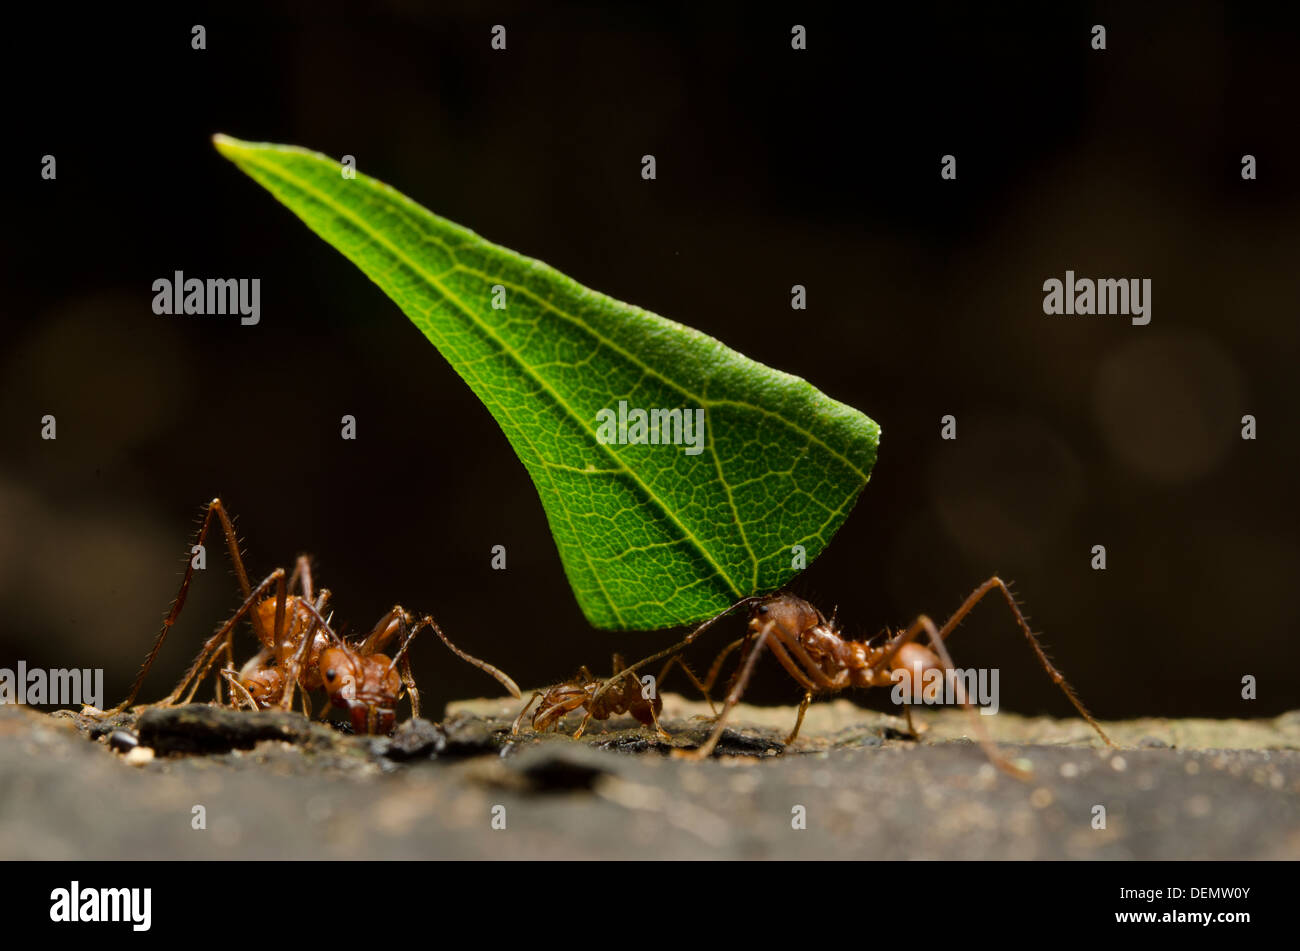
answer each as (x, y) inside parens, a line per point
(285, 642)
(794, 620)
(295, 622)
(823, 642)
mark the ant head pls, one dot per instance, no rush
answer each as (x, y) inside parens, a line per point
(367, 687)
(786, 611)
(265, 686)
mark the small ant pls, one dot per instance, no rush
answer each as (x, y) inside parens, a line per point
(300, 649)
(813, 652)
(579, 692)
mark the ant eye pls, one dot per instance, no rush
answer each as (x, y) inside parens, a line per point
(762, 609)
(331, 674)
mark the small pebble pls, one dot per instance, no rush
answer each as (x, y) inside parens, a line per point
(1041, 798)
(1069, 770)
(1118, 764)
(139, 756)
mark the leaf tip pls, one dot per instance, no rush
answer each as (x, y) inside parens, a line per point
(226, 145)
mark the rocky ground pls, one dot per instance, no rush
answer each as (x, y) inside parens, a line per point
(853, 786)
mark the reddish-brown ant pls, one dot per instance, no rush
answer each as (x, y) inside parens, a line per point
(579, 692)
(300, 649)
(813, 652)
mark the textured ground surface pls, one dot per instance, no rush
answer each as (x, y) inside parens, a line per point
(275, 786)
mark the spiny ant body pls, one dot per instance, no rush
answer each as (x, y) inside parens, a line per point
(299, 649)
(580, 692)
(820, 659)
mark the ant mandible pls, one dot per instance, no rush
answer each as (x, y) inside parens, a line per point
(815, 654)
(300, 649)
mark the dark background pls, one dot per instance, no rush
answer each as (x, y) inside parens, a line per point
(775, 167)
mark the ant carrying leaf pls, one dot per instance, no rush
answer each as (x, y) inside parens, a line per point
(822, 661)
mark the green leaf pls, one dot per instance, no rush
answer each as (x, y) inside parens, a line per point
(649, 535)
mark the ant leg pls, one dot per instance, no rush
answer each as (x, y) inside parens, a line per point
(402, 659)
(923, 623)
(746, 669)
(514, 729)
(676, 648)
(746, 642)
(703, 688)
(714, 670)
(208, 654)
(654, 719)
(803, 708)
(230, 654)
(232, 545)
(811, 678)
(217, 698)
(428, 621)
(911, 727)
(385, 629)
(232, 678)
(1057, 677)
(404, 669)
(177, 603)
(716, 667)
(315, 611)
(199, 669)
(296, 662)
(302, 571)
(408, 681)
(318, 620)
(582, 727)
